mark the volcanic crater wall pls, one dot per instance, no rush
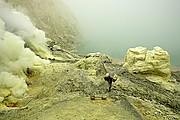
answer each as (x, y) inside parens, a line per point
(54, 18)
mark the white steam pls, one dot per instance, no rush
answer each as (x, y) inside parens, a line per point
(21, 25)
(16, 29)
(16, 22)
(12, 85)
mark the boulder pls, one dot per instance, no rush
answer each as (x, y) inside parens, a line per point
(94, 63)
(103, 57)
(156, 62)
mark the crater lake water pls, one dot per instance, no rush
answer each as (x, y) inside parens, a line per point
(113, 26)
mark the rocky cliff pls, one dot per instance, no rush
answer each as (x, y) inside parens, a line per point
(54, 18)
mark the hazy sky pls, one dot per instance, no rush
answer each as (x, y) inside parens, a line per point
(112, 26)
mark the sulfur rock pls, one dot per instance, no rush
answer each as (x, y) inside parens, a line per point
(103, 57)
(11, 86)
(94, 63)
(139, 60)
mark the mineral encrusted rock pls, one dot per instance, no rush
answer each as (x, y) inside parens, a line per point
(94, 63)
(103, 57)
(156, 62)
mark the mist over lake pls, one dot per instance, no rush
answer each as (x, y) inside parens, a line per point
(113, 26)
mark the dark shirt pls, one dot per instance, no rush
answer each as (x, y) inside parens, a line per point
(109, 79)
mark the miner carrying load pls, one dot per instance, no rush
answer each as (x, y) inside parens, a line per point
(110, 79)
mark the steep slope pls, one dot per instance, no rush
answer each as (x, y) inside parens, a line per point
(54, 18)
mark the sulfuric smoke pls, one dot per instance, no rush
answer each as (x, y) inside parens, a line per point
(16, 30)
